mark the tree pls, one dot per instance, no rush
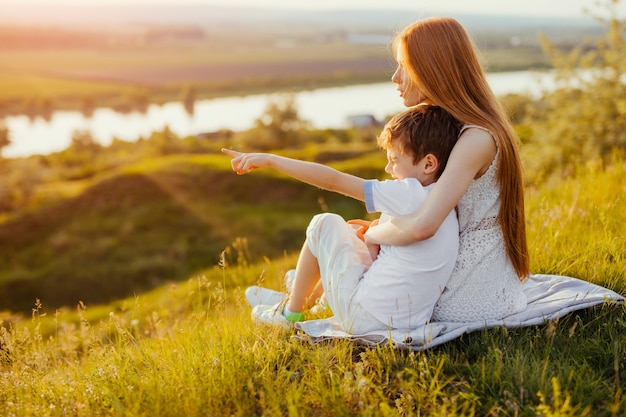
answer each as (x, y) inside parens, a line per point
(281, 122)
(584, 119)
(83, 141)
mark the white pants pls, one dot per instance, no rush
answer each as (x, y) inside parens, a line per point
(343, 258)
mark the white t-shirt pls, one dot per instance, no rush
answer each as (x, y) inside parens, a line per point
(404, 282)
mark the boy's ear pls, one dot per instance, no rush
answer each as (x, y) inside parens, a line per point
(431, 164)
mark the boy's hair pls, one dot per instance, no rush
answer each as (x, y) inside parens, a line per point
(421, 130)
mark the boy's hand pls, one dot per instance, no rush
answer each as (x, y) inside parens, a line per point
(242, 163)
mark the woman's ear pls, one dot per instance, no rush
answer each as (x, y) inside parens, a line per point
(431, 164)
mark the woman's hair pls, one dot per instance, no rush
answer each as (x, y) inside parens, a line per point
(443, 64)
(422, 130)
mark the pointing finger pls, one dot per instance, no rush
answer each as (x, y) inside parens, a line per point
(230, 152)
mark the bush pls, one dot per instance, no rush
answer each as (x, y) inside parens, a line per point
(584, 119)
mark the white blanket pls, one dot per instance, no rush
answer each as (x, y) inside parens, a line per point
(549, 297)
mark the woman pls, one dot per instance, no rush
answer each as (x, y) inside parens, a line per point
(438, 64)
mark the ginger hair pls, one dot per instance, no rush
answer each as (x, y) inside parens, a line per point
(444, 64)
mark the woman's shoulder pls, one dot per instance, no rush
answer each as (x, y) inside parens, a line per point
(471, 126)
(476, 131)
(478, 144)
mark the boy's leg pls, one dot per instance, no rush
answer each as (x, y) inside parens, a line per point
(305, 284)
(306, 278)
(342, 259)
(317, 296)
(332, 254)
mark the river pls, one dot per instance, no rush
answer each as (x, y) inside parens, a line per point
(324, 107)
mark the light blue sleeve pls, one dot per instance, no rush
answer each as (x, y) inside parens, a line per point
(368, 190)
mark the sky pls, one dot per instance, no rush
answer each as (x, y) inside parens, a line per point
(544, 8)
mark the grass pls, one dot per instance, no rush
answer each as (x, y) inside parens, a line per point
(190, 348)
(587, 208)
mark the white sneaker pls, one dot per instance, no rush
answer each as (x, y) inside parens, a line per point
(274, 315)
(289, 278)
(263, 296)
(320, 305)
(258, 295)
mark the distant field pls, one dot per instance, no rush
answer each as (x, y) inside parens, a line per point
(33, 80)
(155, 75)
(169, 65)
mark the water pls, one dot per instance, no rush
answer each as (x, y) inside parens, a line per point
(325, 107)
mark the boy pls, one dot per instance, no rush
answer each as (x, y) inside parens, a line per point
(369, 287)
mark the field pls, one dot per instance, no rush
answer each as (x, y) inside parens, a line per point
(131, 70)
(123, 268)
(169, 65)
(190, 347)
(59, 76)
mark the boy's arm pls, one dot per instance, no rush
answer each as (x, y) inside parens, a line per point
(312, 173)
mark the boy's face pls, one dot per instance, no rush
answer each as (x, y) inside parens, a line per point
(400, 166)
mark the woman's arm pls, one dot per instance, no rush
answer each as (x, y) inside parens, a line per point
(470, 158)
(309, 172)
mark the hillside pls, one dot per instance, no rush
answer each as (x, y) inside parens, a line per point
(148, 224)
(191, 349)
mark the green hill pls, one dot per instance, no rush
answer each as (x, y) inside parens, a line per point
(151, 223)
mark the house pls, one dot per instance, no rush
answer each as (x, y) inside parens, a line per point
(362, 120)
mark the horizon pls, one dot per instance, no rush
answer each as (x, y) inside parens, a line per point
(526, 8)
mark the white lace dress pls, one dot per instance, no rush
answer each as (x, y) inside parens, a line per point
(483, 285)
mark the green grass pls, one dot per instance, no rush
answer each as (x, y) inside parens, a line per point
(190, 348)
(583, 220)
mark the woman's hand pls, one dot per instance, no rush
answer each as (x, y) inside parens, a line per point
(242, 163)
(360, 227)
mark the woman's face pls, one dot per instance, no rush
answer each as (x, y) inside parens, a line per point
(409, 92)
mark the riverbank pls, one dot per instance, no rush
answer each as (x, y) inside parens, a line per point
(323, 108)
(125, 99)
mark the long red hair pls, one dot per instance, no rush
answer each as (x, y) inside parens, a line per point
(443, 63)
